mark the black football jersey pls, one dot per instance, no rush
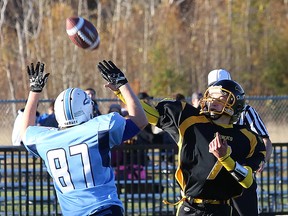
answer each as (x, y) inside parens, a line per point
(199, 173)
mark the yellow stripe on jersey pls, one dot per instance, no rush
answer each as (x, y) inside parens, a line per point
(182, 128)
(178, 174)
(215, 170)
(225, 125)
(151, 113)
(253, 142)
(190, 121)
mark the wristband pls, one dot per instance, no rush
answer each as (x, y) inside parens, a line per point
(228, 163)
(228, 153)
(239, 172)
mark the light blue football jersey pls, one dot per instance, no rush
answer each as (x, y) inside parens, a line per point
(78, 159)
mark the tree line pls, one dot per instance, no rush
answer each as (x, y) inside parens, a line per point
(164, 47)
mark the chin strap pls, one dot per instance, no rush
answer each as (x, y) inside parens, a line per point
(212, 117)
(215, 117)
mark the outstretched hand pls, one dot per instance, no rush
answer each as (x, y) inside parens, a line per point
(112, 74)
(36, 79)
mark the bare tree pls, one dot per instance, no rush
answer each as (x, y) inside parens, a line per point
(115, 28)
(5, 64)
(206, 45)
(176, 39)
(247, 35)
(215, 51)
(2, 15)
(229, 35)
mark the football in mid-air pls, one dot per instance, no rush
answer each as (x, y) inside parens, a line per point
(82, 33)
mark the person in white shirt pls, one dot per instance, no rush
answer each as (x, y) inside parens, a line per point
(16, 139)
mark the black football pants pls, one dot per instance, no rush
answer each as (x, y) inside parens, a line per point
(247, 203)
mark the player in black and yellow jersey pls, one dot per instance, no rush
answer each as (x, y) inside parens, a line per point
(216, 158)
(247, 203)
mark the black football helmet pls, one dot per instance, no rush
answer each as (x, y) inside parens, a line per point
(232, 106)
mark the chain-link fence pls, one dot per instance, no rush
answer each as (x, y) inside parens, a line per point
(273, 111)
(25, 188)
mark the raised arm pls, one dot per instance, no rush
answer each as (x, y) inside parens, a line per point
(117, 80)
(37, 83)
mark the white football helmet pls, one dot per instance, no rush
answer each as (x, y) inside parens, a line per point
(73, 107)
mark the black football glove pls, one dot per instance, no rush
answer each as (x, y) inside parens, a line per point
(112, 74)
(37, 81)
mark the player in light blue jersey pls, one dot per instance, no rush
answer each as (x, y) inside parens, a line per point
(77, 154)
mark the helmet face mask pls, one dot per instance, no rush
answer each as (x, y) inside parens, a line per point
(229, 95)
(73, 107)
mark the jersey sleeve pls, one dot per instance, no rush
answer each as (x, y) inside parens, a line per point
(116, 129)
(130, 131)
(251, 118)
(169, 117)
(257, 150)
(29, 139)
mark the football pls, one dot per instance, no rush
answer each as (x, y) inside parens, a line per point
(82, 33)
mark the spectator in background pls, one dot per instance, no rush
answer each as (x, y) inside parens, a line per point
(115, 108)
(16, 139)
(92, 94)
(124, 112)
(48, 119)
(180, 97)
(145, 97)
(195, 100)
